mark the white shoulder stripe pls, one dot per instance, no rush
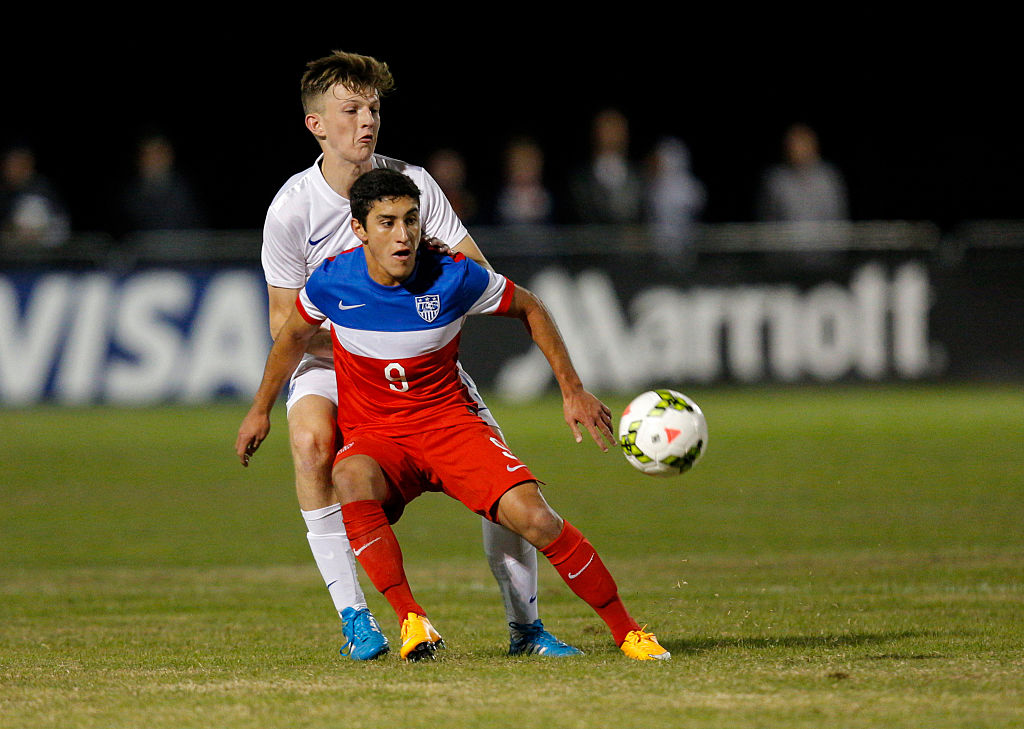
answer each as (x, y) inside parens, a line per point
(396, 345)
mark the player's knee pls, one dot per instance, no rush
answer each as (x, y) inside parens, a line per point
(358, 478)
(524, 511)
(312, 448)
(544, 526)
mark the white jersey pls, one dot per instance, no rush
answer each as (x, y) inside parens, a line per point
(308, 222)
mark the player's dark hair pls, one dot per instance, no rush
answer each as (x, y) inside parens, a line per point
(377, 185)
(361, 74)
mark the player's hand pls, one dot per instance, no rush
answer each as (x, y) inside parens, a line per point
(253, 431)
(433, 244)
(582, 408)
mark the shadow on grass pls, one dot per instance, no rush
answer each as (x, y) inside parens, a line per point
(701, 645)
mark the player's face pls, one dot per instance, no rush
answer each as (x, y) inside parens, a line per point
(390, 239)
(348, 125)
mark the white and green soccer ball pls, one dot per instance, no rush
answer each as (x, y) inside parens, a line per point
(663, 433)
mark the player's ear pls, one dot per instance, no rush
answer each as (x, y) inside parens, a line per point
(315, 125)
(359, 230)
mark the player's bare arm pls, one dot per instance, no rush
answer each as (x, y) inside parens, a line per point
(292, 340)
(579, 406)
(468, 247)
(281, 305)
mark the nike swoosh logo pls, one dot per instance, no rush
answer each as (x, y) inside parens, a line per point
(574, 576)
(359, 551)
(345, 307)
(326, 555)
(319, 240)
(515, 468)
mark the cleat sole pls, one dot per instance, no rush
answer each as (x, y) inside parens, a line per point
(422, 652)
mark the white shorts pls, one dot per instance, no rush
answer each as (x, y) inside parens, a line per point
(315, 376)
(311, 377)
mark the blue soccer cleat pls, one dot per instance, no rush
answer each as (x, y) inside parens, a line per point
(533, 639)
(364, 639)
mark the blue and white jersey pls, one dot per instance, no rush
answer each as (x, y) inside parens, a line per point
(308, 222)
(396, 348)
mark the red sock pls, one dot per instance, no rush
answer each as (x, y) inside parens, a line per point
(375, 546)
(581, 567)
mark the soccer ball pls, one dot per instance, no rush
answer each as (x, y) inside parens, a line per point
(663, 433)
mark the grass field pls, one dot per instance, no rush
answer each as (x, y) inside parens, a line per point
(842, 557)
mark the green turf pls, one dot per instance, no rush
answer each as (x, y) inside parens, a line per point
(842, 557)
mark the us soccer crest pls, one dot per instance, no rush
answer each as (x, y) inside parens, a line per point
(428, 307)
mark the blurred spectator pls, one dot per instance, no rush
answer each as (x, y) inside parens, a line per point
(158, 197)
(523, 198)
(448, 168)
(804, 187)
(674, 201)
(608, 189)
(32, 213)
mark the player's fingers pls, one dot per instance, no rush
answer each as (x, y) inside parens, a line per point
(602, 435)
(437, 245)
(595, 433)
(608, 427)
(597, 423)
(575, 431)
(245, 446)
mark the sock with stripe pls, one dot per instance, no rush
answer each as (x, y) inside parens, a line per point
(578, 563)
(375, 546)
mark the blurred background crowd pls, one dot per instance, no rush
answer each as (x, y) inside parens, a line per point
(614, 185)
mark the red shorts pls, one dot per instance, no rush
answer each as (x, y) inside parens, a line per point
(466, 461)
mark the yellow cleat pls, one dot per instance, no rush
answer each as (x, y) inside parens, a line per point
(643, 646)
(419, 639)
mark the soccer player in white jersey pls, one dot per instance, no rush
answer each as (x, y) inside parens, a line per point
(408, 419)
(308, 221)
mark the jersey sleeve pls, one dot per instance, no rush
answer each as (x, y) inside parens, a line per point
(309, 311)
(439, 218)
(497, 291)
(283, 262)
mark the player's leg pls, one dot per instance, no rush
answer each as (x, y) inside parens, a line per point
(524, 510)
(363, 489)
(311, 427)
(311, 432)
(513, 562)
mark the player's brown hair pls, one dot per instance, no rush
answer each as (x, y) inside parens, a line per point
(361, 74)
(376, 185)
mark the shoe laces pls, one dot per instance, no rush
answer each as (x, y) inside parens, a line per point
(362, 625)
(411, 623)
(640, 635)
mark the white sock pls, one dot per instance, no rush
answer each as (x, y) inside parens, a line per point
(513, 561)
(333, 555)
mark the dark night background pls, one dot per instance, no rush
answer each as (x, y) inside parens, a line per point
(922, 130)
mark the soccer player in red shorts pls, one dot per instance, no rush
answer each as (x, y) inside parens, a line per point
(408, 422)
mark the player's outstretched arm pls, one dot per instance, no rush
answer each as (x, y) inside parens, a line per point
(289, 345)
(579, 406)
